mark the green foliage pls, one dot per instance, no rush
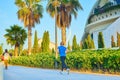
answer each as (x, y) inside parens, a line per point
(28, 8)
(1, 49)
(11, 51)
(68, 46)
(81, 45)
(24, 52)
(93, 45)
(53, 51)
(43, 60)
(35, 46)
(20, 49)
(74, 43)
(29, 12)
(101, 40)
(95, 60)
(64, 13)
(85, 60)
(118, 39)
(45, 42)
(15, 36)
(88, 43)
(112, 41)
(74, 5)
(85, 44)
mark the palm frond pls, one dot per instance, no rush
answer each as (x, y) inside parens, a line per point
(20, 3)
(15, 34)
(30, 13)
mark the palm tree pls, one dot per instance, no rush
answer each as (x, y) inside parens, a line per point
(15, 36)
(29, 13)
(65, 11)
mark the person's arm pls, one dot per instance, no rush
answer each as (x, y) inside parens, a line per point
(66, 51)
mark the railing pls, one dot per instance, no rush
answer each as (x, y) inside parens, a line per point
(1, 70)
(108, 6)
(103, 11)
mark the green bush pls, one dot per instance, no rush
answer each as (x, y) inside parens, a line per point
(95, 60)
(43, 60)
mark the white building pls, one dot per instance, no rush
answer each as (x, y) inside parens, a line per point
(105, 18)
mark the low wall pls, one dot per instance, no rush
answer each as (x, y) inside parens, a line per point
(1, 70)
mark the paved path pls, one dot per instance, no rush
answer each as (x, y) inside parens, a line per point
(25, 73)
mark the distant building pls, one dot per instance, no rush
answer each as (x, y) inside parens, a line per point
(51, 45)
(104, 17)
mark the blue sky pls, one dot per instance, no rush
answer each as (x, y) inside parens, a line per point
(8, 17)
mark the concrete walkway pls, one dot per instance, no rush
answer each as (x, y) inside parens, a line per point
(1, 70)
(25, 73)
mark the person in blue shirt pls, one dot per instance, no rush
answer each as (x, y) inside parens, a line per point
(62, 52)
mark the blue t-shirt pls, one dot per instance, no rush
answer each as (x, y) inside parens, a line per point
(62, 50)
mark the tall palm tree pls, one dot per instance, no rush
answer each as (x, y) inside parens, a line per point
(65, 11)
(29, 13)
(15, 36)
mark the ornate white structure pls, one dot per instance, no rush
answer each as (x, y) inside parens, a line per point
(105, 18)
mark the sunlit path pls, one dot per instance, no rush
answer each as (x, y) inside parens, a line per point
(23, 73)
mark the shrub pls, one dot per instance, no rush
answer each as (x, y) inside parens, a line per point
(95, 60)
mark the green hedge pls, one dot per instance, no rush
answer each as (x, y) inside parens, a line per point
(105, 60)
(95, 60)
(43, 60)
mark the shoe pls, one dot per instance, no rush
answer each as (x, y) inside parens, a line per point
(6, 67)
(68, 70)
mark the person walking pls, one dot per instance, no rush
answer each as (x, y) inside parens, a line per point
(6, 58)
(62, 52)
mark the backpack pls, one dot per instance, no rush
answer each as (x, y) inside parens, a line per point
(6, 56)
(2, 58)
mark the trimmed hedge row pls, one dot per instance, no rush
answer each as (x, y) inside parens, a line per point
(38, 60)
(95, 60)
(105, 60)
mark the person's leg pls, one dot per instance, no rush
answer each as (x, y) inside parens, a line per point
(5, 63)
(65, 66)
(62, 58)
(62, 61)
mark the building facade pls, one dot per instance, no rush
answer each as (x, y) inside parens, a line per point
(104, 17)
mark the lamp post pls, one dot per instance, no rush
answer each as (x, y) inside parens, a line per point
(56, 3)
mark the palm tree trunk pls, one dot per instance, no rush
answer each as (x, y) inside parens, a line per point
(16, 50)
(29, 40)
(63, 32)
